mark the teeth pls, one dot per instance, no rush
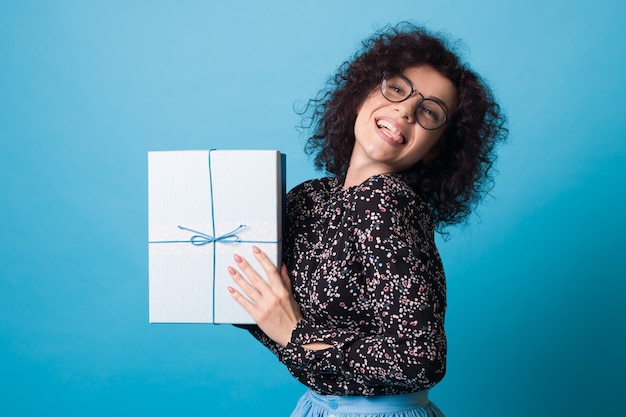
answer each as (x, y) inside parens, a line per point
(397, 135)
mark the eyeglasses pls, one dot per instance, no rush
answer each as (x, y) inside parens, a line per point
(429, 114)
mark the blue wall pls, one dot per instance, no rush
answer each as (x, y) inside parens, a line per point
(536, 281)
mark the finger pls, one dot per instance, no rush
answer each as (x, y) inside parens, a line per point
(254, 278)
(268, 266)
(245, 286)
(242, 301)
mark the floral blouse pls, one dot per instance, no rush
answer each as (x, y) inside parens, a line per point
(369, 281)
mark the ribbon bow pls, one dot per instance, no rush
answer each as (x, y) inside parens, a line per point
(201, 239)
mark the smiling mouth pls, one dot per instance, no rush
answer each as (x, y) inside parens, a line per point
(390, 131)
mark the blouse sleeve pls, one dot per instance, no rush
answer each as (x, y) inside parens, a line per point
(403, 273)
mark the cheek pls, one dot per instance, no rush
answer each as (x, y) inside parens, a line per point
(426, 149)
(361, 122)
(365, 112)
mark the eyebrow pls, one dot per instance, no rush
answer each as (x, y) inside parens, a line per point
(440, 101)
(434, 98)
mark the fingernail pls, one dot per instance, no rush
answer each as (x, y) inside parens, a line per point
(231, 290)
(256, 249)
(231, 270)
(237, 258)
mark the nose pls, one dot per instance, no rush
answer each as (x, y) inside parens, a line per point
(408, 108)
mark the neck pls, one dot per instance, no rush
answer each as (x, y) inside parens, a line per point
(357, 175)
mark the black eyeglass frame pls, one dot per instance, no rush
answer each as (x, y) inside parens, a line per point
(387, 75)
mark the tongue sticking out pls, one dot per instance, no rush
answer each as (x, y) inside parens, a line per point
(390, 131)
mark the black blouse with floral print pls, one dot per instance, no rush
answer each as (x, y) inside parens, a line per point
(369, 280)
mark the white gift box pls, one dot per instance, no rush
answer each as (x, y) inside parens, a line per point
(204, 206)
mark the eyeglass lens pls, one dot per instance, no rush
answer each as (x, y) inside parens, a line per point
(429, 113)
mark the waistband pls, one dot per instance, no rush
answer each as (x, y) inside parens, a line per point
(374, 404)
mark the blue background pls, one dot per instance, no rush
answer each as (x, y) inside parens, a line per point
(536, 280)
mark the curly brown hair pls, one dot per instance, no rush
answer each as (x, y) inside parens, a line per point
(461, 174)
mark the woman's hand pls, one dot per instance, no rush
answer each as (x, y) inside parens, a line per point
(271, 304)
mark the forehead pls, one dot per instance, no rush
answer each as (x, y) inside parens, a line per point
(432, 84)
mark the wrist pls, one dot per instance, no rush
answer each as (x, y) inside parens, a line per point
(288, 335)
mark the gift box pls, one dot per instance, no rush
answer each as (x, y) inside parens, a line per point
(204, 206)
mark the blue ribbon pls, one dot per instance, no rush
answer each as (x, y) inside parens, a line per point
(201, 238)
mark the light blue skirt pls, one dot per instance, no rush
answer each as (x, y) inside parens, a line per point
(415, 404)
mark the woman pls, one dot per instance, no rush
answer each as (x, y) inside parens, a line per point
(356, 313)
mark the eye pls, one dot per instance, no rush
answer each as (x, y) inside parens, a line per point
(431, 111)
(395, 89)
